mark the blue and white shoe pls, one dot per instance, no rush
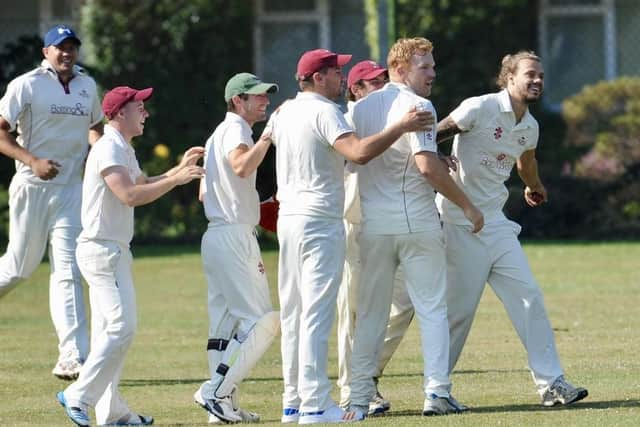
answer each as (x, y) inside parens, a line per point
(78, 415)
(438, 405)
(333, 414)
(290, 415)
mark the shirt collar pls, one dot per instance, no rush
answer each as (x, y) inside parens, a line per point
(115, 135)
(505, 107)
(46, 65)
(399, 86)
(236, 118)
(313, 95)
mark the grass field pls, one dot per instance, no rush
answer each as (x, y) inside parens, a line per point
(592, 293)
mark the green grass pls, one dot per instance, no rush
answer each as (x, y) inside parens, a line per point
(592, 293)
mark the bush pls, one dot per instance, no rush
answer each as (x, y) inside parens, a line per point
(605, 120)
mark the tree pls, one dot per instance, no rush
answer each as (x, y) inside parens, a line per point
(186, 50)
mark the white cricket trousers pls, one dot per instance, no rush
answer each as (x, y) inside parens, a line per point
(106, 266)
(495, 255)
(237, 287)
(422, 258)
(47, 212)
(399, 317)
(310, 267)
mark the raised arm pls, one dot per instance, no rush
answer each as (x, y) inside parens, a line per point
(447, 129)
(534, 192)
(244, 160)
(361, 151)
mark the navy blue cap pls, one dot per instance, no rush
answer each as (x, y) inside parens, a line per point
(58, 34)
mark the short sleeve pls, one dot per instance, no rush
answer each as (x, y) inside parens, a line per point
(15, 101)
(109, 154)
(234, 136)
(467, 113)
(424, 140)
(332, 124)
(96, 108)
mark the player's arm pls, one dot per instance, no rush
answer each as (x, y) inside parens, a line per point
(95, 132)
(534, 192)
(45, 169)
(361, 151)
(447, 129)
(244, 160)
(189, 158)
(436, 173)
(136, 193)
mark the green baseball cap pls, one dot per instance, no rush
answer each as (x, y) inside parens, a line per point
(247, 83)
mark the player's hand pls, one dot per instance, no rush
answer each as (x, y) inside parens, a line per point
(414, 120)
(266, 136)
(188, 174)
(45, 169)
(535, 196)
(191, 157)
(451, 162)
(474, 215)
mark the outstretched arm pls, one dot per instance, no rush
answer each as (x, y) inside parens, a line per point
(447, 129)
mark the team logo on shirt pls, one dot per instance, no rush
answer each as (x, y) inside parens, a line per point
(501, 157)
(261, 267)
(83, 93)
(497, 133)
(72, 110)
(500, 163)
(522, 140)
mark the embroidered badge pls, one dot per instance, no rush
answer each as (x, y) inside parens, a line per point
(261, 267)
(83, 93)
(497, 134)
(522, 140)
(501, 157)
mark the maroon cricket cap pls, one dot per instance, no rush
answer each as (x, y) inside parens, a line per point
(364, 70)
(314, 60)
(117, 97)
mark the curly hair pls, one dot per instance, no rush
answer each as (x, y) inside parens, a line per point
(510, 65)
(403, 49)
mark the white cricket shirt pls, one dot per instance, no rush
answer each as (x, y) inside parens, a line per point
(310, 172)
(104, 216)
(352, 211)
(487, 149)
(52, 123)
(395, 197)
(228, 198)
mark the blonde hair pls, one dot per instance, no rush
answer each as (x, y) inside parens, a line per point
(403, 50)
(510, 65)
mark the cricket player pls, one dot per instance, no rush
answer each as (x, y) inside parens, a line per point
(56, 112)
(493, 133)
(113, 185)
(312, 141)
(364, 78)
(400, 227)
(242, 323)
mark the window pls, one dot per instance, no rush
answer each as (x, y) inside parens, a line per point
(585, 41)
(283, 30)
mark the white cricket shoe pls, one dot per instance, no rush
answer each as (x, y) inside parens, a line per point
(67, 369)
(563, 393)
(333, 414)
(290, 415)
(221, 408)
(378, 405)
(436, 405)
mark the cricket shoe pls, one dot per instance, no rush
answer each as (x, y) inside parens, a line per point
(333, 414)
(290, 415)
(247, 417)
(67, 369)
(563, 393)
(132, 419)
(221, 408)
(436, 405)
(378, 405)
(78, 414)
